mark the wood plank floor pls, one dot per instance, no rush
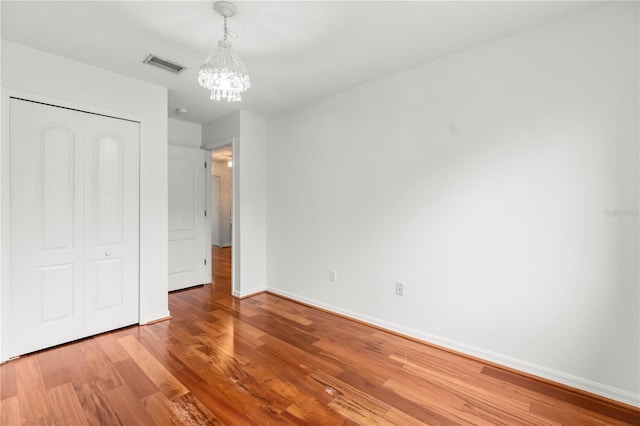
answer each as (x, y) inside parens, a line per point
(266, 360)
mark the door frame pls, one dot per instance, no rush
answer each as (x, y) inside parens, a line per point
(5, 186)
(235, 216)
(211, 216)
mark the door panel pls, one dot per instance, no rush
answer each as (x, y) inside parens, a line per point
(56, 292)
(182, 254)
(182, 187)
(108, 153)
(111, 190)
(187, 224)
(47, 221)
(109, 284)
(55, 186)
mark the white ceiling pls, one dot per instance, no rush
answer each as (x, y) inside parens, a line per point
(295, 51)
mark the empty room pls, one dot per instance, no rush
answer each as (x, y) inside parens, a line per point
(319, 212)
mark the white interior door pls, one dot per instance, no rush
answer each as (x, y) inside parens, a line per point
(112, 231)
(47, 222)
(215, 210)
(187, 217)
(68, 174)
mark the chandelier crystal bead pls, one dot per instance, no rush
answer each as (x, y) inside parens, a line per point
(223, 73)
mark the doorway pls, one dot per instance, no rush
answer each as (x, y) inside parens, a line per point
(223, 163)
(222, 196)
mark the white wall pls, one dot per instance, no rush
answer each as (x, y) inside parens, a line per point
(252, 183)
(90, 88)
(183, 133)
(221, 129)
(249, 199)
(500, 185)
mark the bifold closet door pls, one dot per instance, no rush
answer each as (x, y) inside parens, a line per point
(47, 208)
(74, 225)
(111, 232)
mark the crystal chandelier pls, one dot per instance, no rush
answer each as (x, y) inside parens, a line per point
(223, 72)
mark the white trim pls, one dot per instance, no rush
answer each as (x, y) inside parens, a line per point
(146, 319)
(517, 364)
(249, 292)
(219, 144)
(207, 278)
(8, 92)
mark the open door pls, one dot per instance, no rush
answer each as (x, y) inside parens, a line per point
(187, 217)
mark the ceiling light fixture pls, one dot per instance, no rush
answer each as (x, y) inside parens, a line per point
(223, 72)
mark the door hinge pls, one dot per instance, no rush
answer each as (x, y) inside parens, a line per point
(205, 164)
(205, 213)
(205, 261)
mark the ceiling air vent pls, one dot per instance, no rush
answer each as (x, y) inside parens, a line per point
(164, 64)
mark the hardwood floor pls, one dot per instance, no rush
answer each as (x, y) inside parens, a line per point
(267, 360)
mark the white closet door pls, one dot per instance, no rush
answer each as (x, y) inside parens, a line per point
(187, 226)
(74, 225)
(112, 217)
(47, 222)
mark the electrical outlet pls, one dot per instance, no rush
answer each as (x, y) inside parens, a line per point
(399, 289)
(333, 275)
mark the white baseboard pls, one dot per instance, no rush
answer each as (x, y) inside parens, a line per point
(154, 317)
(517, 364)
(248, 292)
